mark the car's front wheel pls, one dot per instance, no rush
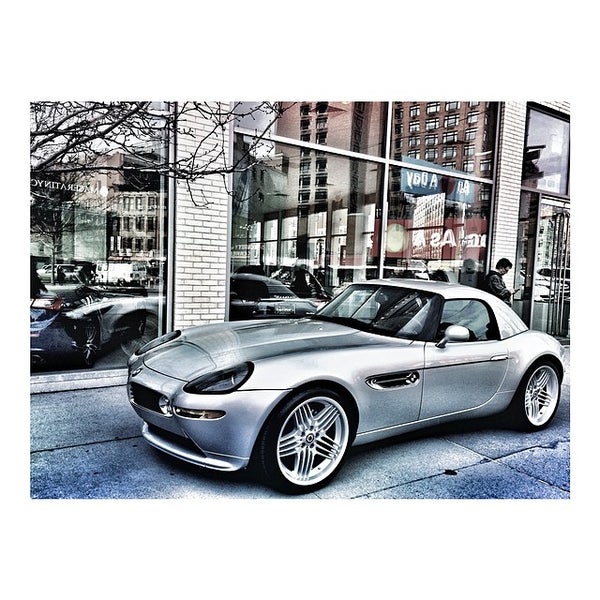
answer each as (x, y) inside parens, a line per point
(305, 441)
(536, 400)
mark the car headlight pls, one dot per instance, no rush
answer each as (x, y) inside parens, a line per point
(221, 382)
(159, 341)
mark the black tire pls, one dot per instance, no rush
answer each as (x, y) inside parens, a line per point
(137, 338)
(305, 441)
(136, 325)
(537, 398)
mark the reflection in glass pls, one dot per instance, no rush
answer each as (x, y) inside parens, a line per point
(455, 135)
(546, 156)
(354, 126)
(544, 265)
(437, 227)
(98, 258)
(323, 207)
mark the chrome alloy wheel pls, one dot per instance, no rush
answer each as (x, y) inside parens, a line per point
(312, 441)
(541, 395)
(88, 344)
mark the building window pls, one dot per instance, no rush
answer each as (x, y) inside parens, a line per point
(321, 123)
(450, 137)
(413, 127)
(452, 106)
(451, 120)
(431, 154)
(432, 108)
(414, 141)
(472, 118)
(414, 111)
(321, 137)
(431, 124)
(470, 135)
(468, 166)
(431, 140)
(321, 180)
(547, 153)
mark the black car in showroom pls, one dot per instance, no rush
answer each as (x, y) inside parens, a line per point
(259, 297)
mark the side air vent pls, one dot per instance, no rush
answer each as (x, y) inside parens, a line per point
(391, 381)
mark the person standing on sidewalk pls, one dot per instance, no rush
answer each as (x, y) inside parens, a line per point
(494, 282)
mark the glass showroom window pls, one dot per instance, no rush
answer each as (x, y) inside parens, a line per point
(330, 237)
(546, 157)
(462, 122)
(437, 227)
(354, 126)
(98, 227)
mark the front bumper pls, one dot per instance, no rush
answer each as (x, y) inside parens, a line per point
(223, 444)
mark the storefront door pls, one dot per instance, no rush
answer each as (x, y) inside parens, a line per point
(544, 257)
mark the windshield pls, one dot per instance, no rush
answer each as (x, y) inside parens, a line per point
(391, 311)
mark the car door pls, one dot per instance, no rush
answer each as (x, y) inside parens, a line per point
(393, 374)
(463, 375)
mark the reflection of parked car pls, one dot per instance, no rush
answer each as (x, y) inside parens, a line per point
(77, 320)
(63, 273)
(407, 268)
(258, 297)
(289, 398)
(302, 282)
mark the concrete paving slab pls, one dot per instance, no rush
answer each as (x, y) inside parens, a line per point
(371, 468)
(489, 480)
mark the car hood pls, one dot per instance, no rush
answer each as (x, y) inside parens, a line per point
(206, 348)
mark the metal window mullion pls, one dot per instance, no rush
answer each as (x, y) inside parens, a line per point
(385, 198)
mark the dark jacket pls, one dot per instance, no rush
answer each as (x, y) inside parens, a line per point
(494, 284)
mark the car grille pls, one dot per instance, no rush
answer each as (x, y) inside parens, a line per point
(144, 397)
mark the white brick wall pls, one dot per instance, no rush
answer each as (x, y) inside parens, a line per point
(201, 232)
(508, 183)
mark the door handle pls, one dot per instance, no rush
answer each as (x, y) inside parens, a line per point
(499, 357)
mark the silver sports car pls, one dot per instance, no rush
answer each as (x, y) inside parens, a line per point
(289, 397)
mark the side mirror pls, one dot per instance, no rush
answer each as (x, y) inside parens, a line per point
(454, 333)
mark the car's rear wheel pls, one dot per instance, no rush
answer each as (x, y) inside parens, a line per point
(536, 400)
(305, 441)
